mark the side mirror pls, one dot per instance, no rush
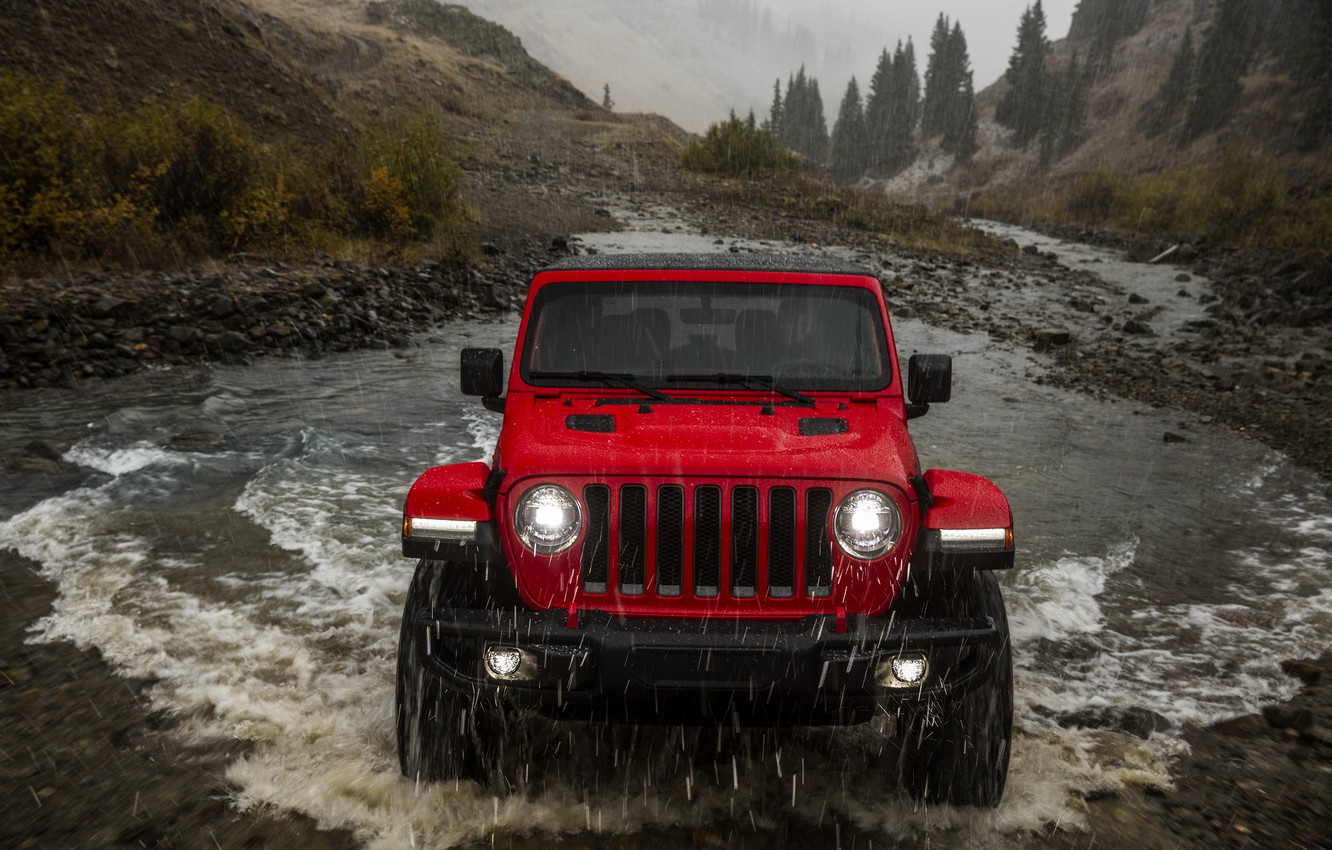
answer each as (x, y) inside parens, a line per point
(483, 375)
(929, 381)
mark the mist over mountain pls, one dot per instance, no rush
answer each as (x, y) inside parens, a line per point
(695, 60)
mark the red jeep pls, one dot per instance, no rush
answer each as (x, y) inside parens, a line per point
(705, 507)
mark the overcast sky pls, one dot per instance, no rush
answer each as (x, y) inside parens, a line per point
(658, 57)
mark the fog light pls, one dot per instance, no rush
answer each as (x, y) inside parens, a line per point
(904, 671)
(509, 663)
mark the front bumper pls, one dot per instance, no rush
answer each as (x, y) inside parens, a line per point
(669, 671)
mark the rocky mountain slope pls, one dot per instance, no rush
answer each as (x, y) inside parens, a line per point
(1266, 120)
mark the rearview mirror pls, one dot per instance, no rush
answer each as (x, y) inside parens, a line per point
(929, 381)
(483, 372)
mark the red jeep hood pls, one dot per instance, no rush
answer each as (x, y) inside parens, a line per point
(704, 441)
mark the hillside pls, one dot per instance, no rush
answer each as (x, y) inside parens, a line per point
(311, 78)
(1119, 106)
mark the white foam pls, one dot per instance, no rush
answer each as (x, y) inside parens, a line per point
(120, 461)
(1058, 600)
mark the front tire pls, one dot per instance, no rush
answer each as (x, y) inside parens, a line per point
(442, 734)
(957, 752)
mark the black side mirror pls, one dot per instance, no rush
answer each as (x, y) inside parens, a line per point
(929, 381)
(483, 375)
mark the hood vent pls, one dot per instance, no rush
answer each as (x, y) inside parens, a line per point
(596, 423)
(811, 426)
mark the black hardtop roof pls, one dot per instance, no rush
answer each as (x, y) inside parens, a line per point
(710, 262)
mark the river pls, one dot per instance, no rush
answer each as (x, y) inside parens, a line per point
(232, 534)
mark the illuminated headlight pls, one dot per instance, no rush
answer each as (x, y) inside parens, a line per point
(867, 524)
(548, 519)
(905, 670)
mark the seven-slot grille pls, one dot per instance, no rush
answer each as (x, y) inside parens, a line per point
(707, 541)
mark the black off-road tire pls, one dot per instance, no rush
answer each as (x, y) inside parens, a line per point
(442, 733)
(956, 751)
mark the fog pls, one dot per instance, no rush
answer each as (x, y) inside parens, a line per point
(695, 60)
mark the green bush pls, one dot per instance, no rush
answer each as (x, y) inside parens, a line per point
(733, 148)
(1240, 200)
(195, 159)
(1097, 197)
(411, 182)
(175, 179)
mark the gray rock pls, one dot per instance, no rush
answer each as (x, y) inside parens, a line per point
(1129, 719)
(1045, 339)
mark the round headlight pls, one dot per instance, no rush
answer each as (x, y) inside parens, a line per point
(548, 519)
(867, 524)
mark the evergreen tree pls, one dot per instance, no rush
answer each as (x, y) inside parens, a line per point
(912, 84)
(849, 142)
(774, 122)
(959, 131)
(1066, 112)
(937, 82)
(1313, 70)
(803, 127)
(606, 102)
(1223, 59)
(900, 140)
(878, 112)
(1105, 23)
(1022, 107)
(1175, 90)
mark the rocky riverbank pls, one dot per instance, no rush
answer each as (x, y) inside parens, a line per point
(57, 331)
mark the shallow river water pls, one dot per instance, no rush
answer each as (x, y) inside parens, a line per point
(232, 533)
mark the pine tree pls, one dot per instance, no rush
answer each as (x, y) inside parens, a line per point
(1313, 70)
(606, 102)
(774, 122)
(1105, 23)
(959, 132)
(900, 140)
(937, 84)
(912, 84)
(878, 112)
(1022, 107)
(803, 127)
(1223, 59)
(848, 157)
(1175, 90)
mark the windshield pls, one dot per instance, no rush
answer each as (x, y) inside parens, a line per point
(709, 335)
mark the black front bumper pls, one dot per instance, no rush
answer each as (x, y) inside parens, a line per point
(761, 672)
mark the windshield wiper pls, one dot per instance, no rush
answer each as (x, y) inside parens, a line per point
(623, 379)
(766, 381)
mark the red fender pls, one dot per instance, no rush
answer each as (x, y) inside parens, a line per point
(450, 492)
(962, 500)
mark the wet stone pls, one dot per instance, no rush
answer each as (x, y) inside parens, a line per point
(1131, 720)
(1045, 339)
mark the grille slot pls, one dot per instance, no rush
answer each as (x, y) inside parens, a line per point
(781, 541)
(818, 548)
(633, 539)
(670, 540)
(596, 546)
(707, 541)
(743, 542)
